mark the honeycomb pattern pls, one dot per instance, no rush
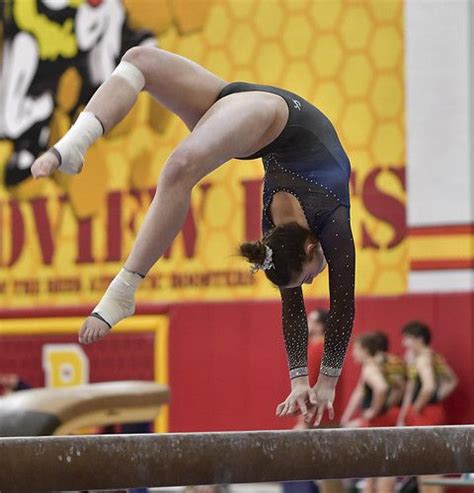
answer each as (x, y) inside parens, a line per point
(345, 56)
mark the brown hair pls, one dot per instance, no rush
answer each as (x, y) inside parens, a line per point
(370, 342)
(287, 243)
(418, 330)
(382, 340)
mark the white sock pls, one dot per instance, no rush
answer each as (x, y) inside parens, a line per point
(118, 301)
(73, 146)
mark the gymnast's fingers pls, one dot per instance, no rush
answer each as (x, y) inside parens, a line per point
(279, 408)
(330, 411)
(283, 408)
(312, 397)
(291, 408)
(302, 404)
(319, 415)
(310, 416)
(297, 412)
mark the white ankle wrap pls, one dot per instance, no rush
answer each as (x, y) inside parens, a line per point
(118, 301)
(73, 146)
(131, 73)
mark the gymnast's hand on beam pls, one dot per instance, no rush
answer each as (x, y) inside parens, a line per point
(92, 330)
(325, 392)
(301, 399)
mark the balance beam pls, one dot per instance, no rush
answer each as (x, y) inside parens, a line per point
(126, 461)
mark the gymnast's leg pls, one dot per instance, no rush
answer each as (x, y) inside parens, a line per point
(181, 85)
(237, 125)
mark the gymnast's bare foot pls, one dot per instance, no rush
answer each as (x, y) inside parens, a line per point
(45, 165)
(93, 329)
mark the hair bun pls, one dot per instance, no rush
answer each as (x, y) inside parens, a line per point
(254, 252)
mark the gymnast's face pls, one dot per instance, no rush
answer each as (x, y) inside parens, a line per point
(314, 265)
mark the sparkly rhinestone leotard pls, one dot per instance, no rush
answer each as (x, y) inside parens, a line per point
(308, 161)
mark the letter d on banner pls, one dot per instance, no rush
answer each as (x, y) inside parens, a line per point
(65, 365)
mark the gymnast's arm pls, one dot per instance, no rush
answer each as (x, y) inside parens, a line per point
(338, 247)
(295, 330)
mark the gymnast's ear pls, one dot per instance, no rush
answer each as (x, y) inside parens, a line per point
(311, 248)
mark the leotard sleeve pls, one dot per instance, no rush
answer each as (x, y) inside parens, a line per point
(295, 330)
(338, 247)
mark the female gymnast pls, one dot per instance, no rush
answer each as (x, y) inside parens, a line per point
(306, 218)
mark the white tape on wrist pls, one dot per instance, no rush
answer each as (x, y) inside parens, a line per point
(131, 73)
(74, 145)
(118, 301)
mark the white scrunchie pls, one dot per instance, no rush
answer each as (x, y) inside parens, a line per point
(267, 263)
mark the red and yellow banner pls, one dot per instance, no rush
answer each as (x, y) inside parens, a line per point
(441, 247)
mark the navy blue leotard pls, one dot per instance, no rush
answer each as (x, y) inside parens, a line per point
(308, 161)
